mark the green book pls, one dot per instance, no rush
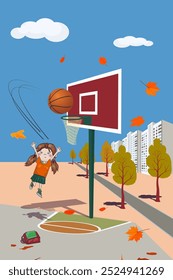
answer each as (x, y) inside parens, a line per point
(31, 234)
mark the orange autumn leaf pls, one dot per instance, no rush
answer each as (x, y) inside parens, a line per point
(62, 59)
(151, 253)
(152, 88)
(137, 121)
(69, 212)
(141, 259)
(13, 245)
(102, 209)
(26, 247)
(134, 234)
(18, 134)
(102, 60)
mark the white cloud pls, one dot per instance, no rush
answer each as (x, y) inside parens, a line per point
(43, 28)
(131, 41)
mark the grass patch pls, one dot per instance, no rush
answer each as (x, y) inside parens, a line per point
(100, 222)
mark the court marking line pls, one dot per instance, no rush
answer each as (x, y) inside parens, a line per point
(93, 232)
(80, 229)
(87, 224)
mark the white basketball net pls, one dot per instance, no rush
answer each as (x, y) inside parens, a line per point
(71, 131)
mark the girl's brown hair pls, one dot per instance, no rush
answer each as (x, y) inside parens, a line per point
(49, 146)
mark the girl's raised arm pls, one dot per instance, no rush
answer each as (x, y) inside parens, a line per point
(58, 151)
(33, 145)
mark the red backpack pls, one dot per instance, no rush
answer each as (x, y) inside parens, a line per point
(30, 237)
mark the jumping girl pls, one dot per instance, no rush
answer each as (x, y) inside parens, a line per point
(44, 157)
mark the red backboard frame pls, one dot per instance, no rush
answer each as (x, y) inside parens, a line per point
(106, 89)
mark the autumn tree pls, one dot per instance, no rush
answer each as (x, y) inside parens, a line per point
(107, 154)
(80, 156)
(85, 157)
(124, 171)
(72, 155)
(159, 163)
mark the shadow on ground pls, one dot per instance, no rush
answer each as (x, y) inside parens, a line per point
(113, 203)
(37, 215)
(102, 173)
(51, 205)
(148, 196)
(81, 175)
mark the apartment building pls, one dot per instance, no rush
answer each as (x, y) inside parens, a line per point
(144, 151)
(115, 145)
(137, 143)
(135, 149)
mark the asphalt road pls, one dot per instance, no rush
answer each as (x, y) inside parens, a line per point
(160, 219)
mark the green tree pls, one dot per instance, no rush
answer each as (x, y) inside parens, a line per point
(124, 171)
(159, 163)
(107, 154)
(72, 155)
(85, 157)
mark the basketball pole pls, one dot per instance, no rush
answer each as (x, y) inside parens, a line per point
(91, 172)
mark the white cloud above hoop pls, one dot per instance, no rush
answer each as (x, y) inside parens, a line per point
(43, 28)
(130, 41)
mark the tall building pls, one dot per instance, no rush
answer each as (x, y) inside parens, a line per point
(137, 143)
(144, 151)
(115, 145)
(135, 149)
(127, 141)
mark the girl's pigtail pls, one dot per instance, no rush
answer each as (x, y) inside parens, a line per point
(54, 166)
(31, 160)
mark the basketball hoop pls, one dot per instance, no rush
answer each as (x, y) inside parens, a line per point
(71, 129)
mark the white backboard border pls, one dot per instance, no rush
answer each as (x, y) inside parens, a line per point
(84, 94)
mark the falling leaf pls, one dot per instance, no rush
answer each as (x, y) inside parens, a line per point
(142, 259)
(13, 245)
(18, 134)
(102, 209)
(26, 247)
(151, 253)
(62, 59)
(69, 212)
(137, 121)
(152, 88)
(102, 60)
(134, 234)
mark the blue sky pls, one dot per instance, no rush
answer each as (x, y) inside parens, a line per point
(93, 26)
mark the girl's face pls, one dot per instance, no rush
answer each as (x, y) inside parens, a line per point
(45, 154)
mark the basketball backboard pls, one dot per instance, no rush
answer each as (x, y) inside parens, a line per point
(100, 98)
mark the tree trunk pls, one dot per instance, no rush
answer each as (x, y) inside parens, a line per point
(157, 190)
(107, 169)
(87, 171)
(72, 160)
(122, 197)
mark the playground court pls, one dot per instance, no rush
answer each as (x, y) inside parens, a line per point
(67, 190)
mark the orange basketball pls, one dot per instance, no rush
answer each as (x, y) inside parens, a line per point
(60, 101)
